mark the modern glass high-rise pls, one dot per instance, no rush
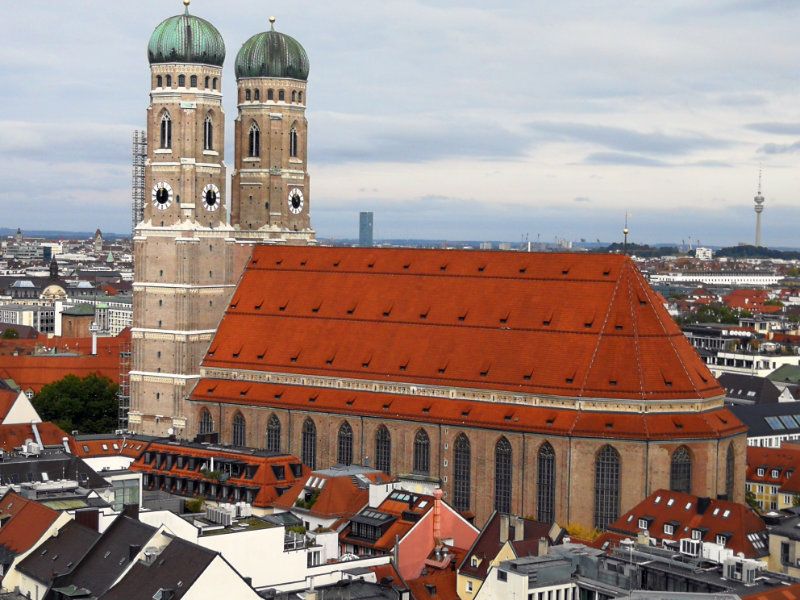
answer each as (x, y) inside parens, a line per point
(365, 229)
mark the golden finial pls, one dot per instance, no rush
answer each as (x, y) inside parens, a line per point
(272, 23)
(186, 6)
(186, 3)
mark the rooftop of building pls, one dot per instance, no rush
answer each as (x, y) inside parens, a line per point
(776, 419)
(573, 321)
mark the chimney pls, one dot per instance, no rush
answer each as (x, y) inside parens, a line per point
(133, 550)
(88, 517)
(131, 510)
(544, 547)
(702, 505)
(503, 528)
(437, 515)
(519, 529)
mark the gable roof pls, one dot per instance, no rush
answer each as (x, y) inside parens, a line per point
(58, 554)
(490, 542)
(109, 557)
(554, 324)
(743, 529)
(177, 568)
(749, 388)
(785, 460)
(27, 522)
(786, 374)
(779, 418)
(13, 436)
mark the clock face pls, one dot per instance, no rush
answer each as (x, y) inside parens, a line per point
(210, 197)
(295, 201)
(162, 195)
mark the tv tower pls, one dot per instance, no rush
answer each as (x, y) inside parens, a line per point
(759, 208)
(625, 232)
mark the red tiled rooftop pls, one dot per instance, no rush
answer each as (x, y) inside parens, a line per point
(786, 460)
(575, 325)
(13, 436)
(339, 497)
(28, 521)
(512, 417)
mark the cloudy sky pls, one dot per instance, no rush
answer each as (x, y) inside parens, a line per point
(449, 119)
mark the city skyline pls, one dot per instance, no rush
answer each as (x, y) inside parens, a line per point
(534, 134)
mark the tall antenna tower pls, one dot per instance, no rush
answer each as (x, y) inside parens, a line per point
(759, 208)
(138, 158)
(625, 232)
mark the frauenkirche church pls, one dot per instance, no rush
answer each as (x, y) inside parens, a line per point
(550, 385)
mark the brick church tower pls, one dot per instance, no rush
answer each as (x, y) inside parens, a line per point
(184, 254)
(270, 188)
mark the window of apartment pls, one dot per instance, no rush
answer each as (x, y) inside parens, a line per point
(469, 587)
(474, 561)
(697, 534)
(669, 529)
(760, 472)
(502, 576)
(643, 524)
(775, 473)
(785, 553)
(761, 489)
(721, 540)
(312, 559)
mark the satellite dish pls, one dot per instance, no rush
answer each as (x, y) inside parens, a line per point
(171, 431)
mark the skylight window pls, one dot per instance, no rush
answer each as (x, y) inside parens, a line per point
(671, 501)
(658, 499)
(688, 505)
(789, 421)
(716, 512)
(774, 423)
(726, 514)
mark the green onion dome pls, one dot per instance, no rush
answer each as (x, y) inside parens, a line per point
(272, 54)
(186, 39)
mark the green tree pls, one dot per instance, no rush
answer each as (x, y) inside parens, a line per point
(10, 334)
(88, 404)
(750, 499)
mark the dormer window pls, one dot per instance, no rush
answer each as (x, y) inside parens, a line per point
(474, 561)
(669, 529)
(722, 540)
(697, 534)
(760, 472)
(643, 524)
(775, 473)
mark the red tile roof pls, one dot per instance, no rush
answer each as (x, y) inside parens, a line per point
(338, 497)
(791, 592)
(111, 445)
(27, 522)
(264, 481)
(556, 324)
(711, 424)
(7, 399)
(438, 584)
(743, 528)
(786, 460)
(13, 436)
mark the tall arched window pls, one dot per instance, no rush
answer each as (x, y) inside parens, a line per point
(166, 131)
(293, 142)
(208, 134)
(257, 95)
(546, 484)
(206, 423)
(255, 141)
(422, 453)
(208, 82)
(239, 430)
(169, 81)
(294, 96)
(462, 473)
(181, 80)
(344, 455)
(680, 473)
(502, 475)
(274, 434)
(730, 471)
(247, 95)
(270, 94)
(214, 84)
(300, 97)
(193, 81)
(281, 95)
(606, 487)
(159, 81)
(310, 444)
(383, 450)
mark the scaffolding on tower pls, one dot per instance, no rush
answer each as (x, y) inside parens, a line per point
(124, 391)
(138, 158)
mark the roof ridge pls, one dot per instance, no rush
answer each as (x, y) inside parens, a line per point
(600, 337)
(634, 324)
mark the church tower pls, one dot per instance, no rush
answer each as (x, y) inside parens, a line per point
(185, 259)
(270, 195)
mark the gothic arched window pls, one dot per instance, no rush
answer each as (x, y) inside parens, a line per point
(294, 96)
(206, 422)
(255, 141)
(270, 94)
(181, 80)
(281, 96)
(606, 487)
(383, 450)
(193, 81)
(344, 455)
(208, 134)
(247, 95)
(422, 453)
(730, 473)
(300, 97)
(214, 84)
(502, 475)
(293, 142)
(169, 81)
(546, 484)
(274, 434)
(257, 95)
(310, 444)
(239, 430)
(159, 81)
(680, 473)
(208, 81)
(166, 131)
(462, 473)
